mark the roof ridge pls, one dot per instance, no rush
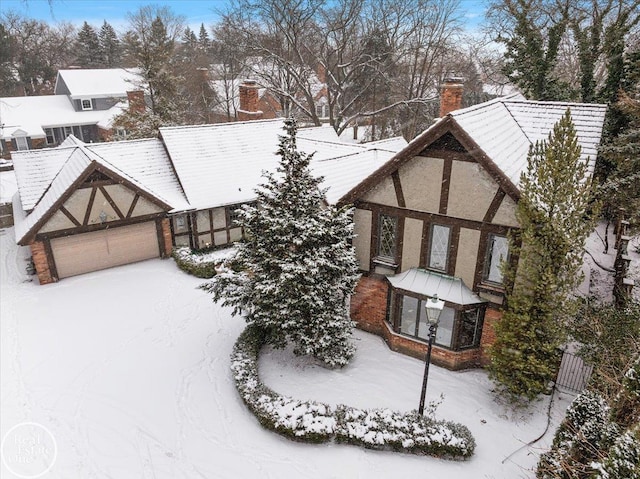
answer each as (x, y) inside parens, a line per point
(517, 122)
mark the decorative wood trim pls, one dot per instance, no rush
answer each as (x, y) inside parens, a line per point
(424, 244)
(173, 233)
(87, 214)
(395, 176)
(454, 242)
(446, 183)
(160, 236)
(399, 240)
(96, 227)
(112, 203)
(433, 218)
(134, 202)
(494, 206)
(375, 227)
(123, 181)
(95, 184)
(446, 125)
(480, 259)
(446, 155)
(53, 269)
(193, 229)
(72, 218)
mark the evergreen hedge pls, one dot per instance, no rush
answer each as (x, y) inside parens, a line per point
(194, 263)
(316, 422)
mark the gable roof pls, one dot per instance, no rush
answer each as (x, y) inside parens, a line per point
(142, 162)
(221, 164)
(498, 134)
(99, 82)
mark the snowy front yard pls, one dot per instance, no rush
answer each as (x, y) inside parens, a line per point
(129, 370)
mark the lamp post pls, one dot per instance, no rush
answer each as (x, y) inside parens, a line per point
(433, 309)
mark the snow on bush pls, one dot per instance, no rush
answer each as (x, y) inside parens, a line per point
(197, 263)
(311, 421)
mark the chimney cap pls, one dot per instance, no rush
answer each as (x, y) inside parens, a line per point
(450, 79)
(249, 82)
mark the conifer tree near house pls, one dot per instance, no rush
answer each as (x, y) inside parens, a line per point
(295, 271)
(88, 47)
(110, 49)
(552, 213)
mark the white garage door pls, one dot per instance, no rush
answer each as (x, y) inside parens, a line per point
(87, 252)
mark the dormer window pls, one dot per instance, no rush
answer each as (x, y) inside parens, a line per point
(86, 104)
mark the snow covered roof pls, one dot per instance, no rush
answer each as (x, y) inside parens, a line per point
(100, 83)
(428, 283)
(506, 127)
(143, 162)
(222, 164)
(8, 186)
(32, 114)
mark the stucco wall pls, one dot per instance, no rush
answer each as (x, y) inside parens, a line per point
(467, 255)
(411, 244)
(471, 191)
(384, 193)
(506, 214)
(421, 180)
(121, 196)
(362, 241)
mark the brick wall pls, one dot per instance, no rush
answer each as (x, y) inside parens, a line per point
(491, 317)
(41, 262)
(450, 96)
(369, 304)
(136, 101)
(166, 234)
(249, 101)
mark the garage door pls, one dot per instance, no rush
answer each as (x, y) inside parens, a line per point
(87, 252)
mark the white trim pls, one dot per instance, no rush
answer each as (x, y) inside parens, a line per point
(82, 105)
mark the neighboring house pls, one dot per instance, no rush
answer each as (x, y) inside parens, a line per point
(84, 105)
(92, 206)
(436, 218)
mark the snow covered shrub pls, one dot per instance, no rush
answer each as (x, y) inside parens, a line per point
(314, 422)
(623, 461)
(194, 263)
(295, 271)
(306, 421)
(411, 432)
(585, 431)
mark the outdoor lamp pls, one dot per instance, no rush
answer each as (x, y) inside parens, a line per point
(433, 309)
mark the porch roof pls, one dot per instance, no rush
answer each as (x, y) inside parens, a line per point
(429, 283)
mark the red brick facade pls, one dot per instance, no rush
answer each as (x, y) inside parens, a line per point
(41, 262)
(369, 309)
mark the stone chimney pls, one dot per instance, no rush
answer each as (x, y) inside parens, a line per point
(451, 95)
(136, 101)
(249, 101)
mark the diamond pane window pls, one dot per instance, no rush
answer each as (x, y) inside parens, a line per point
(387, 238)
(439, 247)
(497, 252)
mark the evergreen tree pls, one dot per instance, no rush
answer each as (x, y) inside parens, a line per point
(87, 47)
(551, 212)
(110, 49)
(296, 270)
(204, 42)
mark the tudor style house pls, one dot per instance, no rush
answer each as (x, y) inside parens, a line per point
(85, 207)
(435, 220)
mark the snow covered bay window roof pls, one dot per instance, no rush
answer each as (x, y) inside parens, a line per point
(429, 284)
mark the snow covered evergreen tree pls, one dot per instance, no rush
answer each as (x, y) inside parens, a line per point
(110, 49)
(87, 46)
(294, 273)
(552, 213)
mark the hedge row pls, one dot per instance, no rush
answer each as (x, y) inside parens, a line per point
(194, 263)
(315, 422)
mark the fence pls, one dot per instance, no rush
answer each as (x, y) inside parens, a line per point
(573, 374)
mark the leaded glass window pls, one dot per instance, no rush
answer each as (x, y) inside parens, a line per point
(497, 252)
(387, 238)
(439, 247)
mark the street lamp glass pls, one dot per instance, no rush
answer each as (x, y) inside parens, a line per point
(434, 307)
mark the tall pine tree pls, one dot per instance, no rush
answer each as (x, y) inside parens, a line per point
(87, 47)
(552, 213)
(296, 270)
(110, 49)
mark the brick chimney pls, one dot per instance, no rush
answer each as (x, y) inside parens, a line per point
(136, 101)
(249, 101)
(451, 95)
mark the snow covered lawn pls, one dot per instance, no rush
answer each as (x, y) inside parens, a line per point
(129, 369)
